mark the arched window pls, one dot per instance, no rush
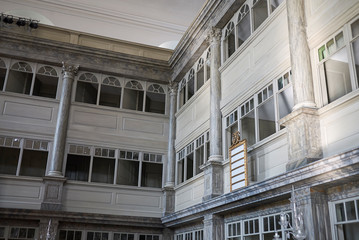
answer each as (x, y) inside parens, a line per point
(87, 88)
(229, 39)
(133, 96)
(155, 99)
(46, 81)
(200, 73)
(190, 84)
(20, 78)
(2, 73)
(182, 93)
(260, 12)
(208, 64)
(110, 93)
(244, 24)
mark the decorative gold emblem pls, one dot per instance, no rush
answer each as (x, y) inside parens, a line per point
(235, 138)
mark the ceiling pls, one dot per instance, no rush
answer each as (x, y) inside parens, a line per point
(151, 22)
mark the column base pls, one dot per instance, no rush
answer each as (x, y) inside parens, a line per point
(52, 197)
(213, 177)
(55, 174)
(169, 200)
(213, 227)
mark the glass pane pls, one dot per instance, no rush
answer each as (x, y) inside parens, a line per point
(275, 4)
(33, 163)
(200, 78)
(19, 82)
(355, 46)
(8, 160)
(339, 39)
(45, 86)
(14, 233)
(260, 13)
(199, 159)
(89, 235)
(110, 96)
(350, 210)
(155, 102)
(97, 236)
(22, 233)
(322, 53)
(348, 231)
(265, 224)
(30, 233)
(271, 223)
(62, 235)
(2, 78)
(266, 117)
(253, 237)
(248, 128)
(78, 235)
(77, 167)
(151, 175)
(190, 85)
(285, 102)
(103, 170)
(244, 29)
(355, 28)
(86, 92)
(133, 99)
(127, 172)
(180, 170)
(70, 235)
(189, 166)
(231, 44)
(337, 75)
(339, 209)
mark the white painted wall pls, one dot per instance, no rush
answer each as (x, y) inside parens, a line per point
(190, 193)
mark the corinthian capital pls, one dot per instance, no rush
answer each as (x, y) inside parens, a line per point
(173, 87)
(69, 69)
(214, 35)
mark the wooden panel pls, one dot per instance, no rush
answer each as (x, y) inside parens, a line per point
(95, 119)
(136, 125)
(138, 200)
(27, 111)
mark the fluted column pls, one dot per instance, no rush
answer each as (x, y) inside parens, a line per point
(303, 126)
(213, 170)
(69, 72)
(169, 195)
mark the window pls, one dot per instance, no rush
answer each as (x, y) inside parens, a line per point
(155, 99)
(133, 96)
(190, 84)
(78, 163)
(345, 219)
(97, 236)
(46, 81)
(110, 94)
(21, 233)
(200, 153)
(25, 157)
(243, 25)
(231, 127)
(338, 70)
(247, 122)
(70, 235)
(181, 166)
(2, 74)
(87, 88)
(128, 168)
(103, 166)
(208, 64)
(123, 236)
(200, 73)
(193, 235)
(20, 78)
(266, 113)
(149, 237)
(182, 93)
(260, 12)
(229, 40)
(274, 4)
(151, 170)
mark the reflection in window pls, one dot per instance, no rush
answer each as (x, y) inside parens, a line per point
(133, 96)
(103, 170)
(260, 12)
(46, 81)
(244, 25)
(155, 99)
(110, 94)
(20, 78)
(87, 88)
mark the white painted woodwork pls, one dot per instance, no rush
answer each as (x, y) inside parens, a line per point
(190, 193)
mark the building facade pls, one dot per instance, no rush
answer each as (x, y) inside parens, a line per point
(102, 139)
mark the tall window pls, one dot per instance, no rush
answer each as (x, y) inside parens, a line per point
(200, 73)
(182, 93)
(20, 78)
(2, 74)
(25, 157)
(260, 12)
(243, 25)
(46, 81)
(151, 170)
(248, 122)
(190, 84)
(155, 99)
(338, 70)
(208, 64)
(229, 40)
(231, 127)
(128, 168)
(78, 163)
(87, 88)
(133, 96)
(110, 94)
(345, 218)
(103, 165)
(70, 235)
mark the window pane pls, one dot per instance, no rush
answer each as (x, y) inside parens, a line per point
(45, 86)
(248, 128)
(275, 4)
(86, 92)
(180, 170)
(2, 77)
(103, 170)
(62, 235)
(200, 78)
(254, 237)
(266, 117)
(190, 85)
(189, 166)
(350, 210)
(151, 175)
(128, 172)
(19, 82)
(337, 75)
(339, 209)
(133, 99)
(199, 159)
(182, 97)
(355, 28)
(77, 167)
(356, 57)
(260, 13)
(155, 102)
(70, 235)
(231, 45)
(110, 96)
(285, 102)
(8, 160)
(33, 163)
(348, 231)
(244, 29)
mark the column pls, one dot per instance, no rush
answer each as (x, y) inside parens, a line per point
(48, 228)
(54, 181)
(213, 171)
(69, 73)
(169, 193)
(303, 127)
(213, 227)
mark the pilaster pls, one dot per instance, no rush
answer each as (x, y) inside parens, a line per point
(168, 234)
(52, 196)
(213, 227)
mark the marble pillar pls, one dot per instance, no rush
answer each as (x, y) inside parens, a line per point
(48, 228)
(169, 193)
(168, 234)
(56, 161)
(213, 168)
(303, 130)
(213, 227)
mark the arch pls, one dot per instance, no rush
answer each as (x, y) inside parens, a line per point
(229, 29)
(46, 81)
(111, 81)
(155, 88)
(88, 77)
(21, 67)
(155, 99)
(134, 85)
(242, 12)
(200, 64)
(47, 70)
